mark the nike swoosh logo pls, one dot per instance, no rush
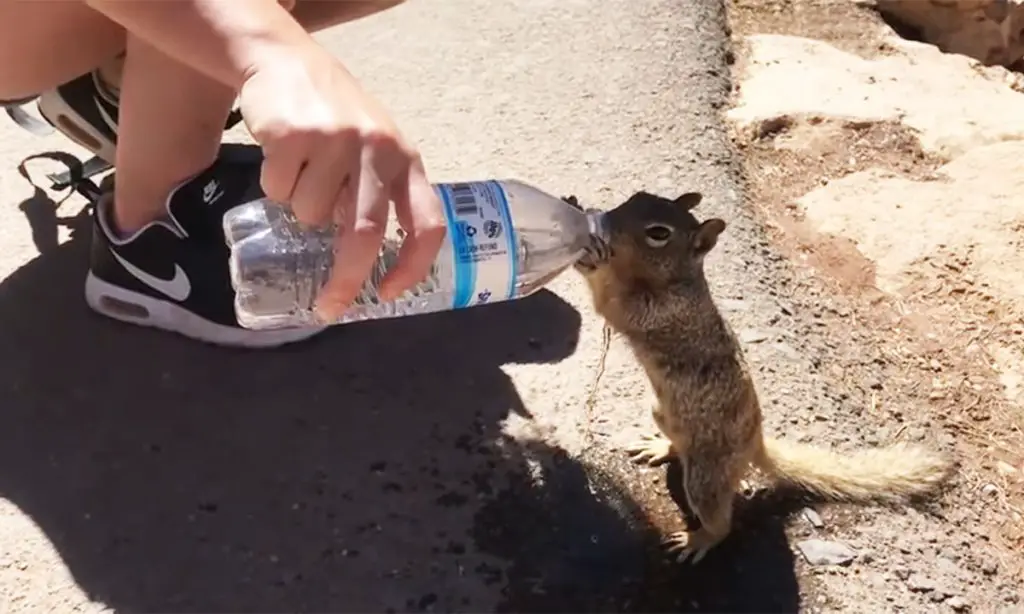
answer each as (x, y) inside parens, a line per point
(177, 288)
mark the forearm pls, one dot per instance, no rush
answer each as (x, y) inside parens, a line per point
(225, 39)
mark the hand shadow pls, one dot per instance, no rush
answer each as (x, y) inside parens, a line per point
(329, 476)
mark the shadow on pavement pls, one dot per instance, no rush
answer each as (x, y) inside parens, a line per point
(751, 571)
(579, 542)
(175, 476)
(39, 209)
(362, 471)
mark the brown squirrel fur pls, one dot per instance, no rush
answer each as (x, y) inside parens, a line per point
(648, 283)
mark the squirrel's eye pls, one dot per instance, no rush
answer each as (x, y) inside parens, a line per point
(657, 235)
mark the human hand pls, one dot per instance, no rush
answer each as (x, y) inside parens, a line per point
(331, 152)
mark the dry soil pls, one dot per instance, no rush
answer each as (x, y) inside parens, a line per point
(903, 216)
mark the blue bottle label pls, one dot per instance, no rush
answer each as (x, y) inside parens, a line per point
(483, 242)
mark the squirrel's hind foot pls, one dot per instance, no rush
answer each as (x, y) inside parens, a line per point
(692, 545)
(651, 450)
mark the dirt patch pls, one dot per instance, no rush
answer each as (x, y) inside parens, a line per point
(804, 153)
(917, 299)
(850, 27)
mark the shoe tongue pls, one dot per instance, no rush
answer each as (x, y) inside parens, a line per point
(198, 205)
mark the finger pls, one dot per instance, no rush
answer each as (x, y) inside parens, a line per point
(320, 181)
(281, 167)
(421, 215)
(356, 248)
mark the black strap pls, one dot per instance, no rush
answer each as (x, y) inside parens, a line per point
(17, 113)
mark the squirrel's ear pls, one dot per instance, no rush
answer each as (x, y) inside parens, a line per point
(689, 200)
(707, 235)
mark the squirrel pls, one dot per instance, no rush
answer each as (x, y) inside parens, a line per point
(646, 279)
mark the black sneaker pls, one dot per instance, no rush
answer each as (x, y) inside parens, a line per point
(86, 111)
(173, 273)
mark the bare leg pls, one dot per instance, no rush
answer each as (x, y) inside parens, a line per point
(316, 15)
(43, 44)
(160, 144)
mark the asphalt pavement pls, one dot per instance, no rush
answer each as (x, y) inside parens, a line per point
(442, 463)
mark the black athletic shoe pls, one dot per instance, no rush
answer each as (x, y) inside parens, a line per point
(173, 273)
(86, 111)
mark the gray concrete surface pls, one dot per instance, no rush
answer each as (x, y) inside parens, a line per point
(438, 463)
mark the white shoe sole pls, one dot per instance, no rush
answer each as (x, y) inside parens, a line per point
(52, 107)
(120, 304)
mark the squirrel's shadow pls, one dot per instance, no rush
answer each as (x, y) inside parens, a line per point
(585, 519)
(753, 570)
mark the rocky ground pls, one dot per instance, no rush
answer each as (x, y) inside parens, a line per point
(890, 174)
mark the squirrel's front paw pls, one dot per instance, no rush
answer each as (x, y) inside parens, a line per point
(596, 253)
(651, 450)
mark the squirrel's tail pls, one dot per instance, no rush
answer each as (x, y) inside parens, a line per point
(871, 475)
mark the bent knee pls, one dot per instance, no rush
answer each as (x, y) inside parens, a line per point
(44, 44)
(343, 5)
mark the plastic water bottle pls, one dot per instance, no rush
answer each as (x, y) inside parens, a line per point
(505, 240)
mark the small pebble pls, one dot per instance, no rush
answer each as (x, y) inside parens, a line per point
(813, 517)
(787, 350)
(1006, 468)
(959, 604)
(822, 552)
(920, 583)
(752, 335)
(732, 304)
(947, 566)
